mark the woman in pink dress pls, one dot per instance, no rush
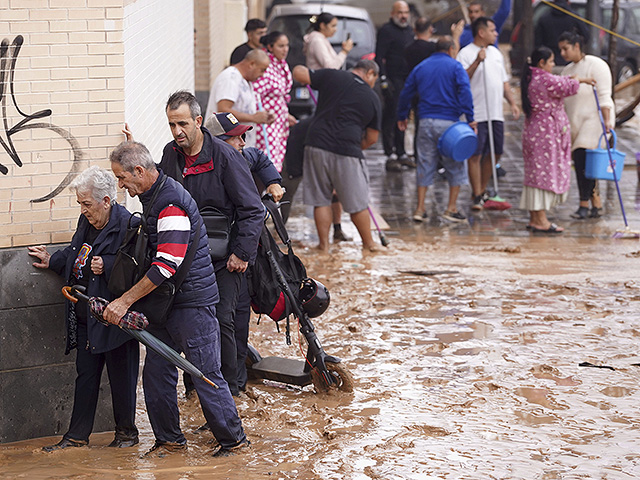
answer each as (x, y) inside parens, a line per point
(273, 89)
(546, 139)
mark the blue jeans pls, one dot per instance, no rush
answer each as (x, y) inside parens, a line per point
(429, 132)
(195, 332)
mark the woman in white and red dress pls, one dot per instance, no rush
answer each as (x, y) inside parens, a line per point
(273, 89)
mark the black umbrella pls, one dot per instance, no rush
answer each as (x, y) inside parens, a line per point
(134, 323)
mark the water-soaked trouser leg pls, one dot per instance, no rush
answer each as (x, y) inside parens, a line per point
(243, 317)
(123, 364)
(586, 186)
(229, 289)
(199, 338)
(85, 400)
(160, 380)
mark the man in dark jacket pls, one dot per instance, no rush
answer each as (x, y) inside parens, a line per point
(191, 327)
(391, 41)
(216, 175)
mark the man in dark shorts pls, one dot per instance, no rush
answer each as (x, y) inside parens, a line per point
(347, 121)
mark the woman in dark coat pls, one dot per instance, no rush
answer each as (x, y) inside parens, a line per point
(88, 261)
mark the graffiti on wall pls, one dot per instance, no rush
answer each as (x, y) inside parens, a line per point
(8, 58)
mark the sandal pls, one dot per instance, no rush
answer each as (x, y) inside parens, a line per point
(553, 228)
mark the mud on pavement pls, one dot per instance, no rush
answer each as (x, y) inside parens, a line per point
(472, 374)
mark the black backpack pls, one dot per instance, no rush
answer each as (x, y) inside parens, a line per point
(265, 289)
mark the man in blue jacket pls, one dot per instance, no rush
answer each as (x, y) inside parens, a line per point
(216, 175)
(444, 93)
(191, 327)
(476, 10)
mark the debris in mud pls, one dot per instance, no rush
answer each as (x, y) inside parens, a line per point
(633, 254)
(352, 327)
(504, 249)
(552, 318)
(429, 273)
(589, 364)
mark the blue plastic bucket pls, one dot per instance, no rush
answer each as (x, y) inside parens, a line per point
(598, 166)
(459, 142)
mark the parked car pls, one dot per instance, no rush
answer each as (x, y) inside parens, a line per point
(628, 55)
(293, 20)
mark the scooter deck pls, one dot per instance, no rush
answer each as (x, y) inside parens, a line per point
(285, 370)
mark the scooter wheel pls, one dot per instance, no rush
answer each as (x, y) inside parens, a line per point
(343, 380)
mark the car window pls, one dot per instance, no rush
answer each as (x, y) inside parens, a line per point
(606, 18)
(634, 21)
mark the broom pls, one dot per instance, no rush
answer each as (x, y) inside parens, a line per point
(625, 232)
(496, 202)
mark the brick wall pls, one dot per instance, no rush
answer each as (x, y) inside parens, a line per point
(81, 68)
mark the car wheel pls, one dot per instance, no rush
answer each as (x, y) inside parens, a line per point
(626, 70)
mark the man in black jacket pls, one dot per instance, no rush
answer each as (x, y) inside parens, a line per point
(216, 175)
(391, 41)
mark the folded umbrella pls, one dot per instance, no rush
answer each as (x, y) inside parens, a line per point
(134, 324)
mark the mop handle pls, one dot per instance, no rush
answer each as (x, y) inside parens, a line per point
(313, 97)
(492, 147)
(613, 167)
(264, 129)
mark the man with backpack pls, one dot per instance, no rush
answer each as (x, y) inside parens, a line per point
(217, 176)
(172, 221)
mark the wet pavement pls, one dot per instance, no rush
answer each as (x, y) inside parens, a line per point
(465, 344)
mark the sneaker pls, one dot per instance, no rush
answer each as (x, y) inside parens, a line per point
(162, 449)
(407, 161)
(478, 203)
(500, 172)
(581, 213)
(226, 451)
(124, 441)
(419, 216)
(595, 212)
(393, 165)
(454, 216)
(64, 443)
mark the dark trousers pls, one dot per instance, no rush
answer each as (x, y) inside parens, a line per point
(122, 367)
(586, 186)
(243, 318)
(229, 290)
(195, 332)
(392, 138)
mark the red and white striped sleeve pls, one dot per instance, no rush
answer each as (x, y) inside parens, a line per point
(174, 229)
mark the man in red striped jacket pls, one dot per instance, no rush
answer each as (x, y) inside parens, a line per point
(191, 327)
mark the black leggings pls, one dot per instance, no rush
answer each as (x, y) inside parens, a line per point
(586, 186)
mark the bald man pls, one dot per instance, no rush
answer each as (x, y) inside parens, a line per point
(392, 39)
(233, 92)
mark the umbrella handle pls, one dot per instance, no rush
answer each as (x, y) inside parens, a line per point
(75, 296)
(66, 291)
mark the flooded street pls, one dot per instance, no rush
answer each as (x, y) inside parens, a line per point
(465, 343)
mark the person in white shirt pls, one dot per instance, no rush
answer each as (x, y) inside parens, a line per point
(484, 64)
(233, 92)
(582, 111)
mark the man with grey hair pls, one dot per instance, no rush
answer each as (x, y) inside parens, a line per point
(174, 226)
(87, 262)
(217, 175)
(347, 121)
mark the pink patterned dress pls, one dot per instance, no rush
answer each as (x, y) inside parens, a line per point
(273, 88)
(546, 138)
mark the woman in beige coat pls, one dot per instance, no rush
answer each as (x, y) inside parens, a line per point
(583, 115)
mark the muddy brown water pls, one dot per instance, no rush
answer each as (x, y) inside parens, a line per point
(460, 375)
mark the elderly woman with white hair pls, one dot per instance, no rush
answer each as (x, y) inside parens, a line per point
(88, 261)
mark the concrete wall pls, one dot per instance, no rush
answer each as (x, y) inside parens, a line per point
(36, 377)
